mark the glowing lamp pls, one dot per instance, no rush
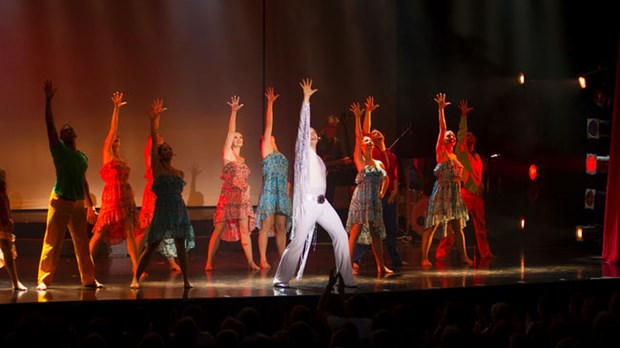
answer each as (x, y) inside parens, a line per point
(522, 223)
(579, 234)
(591, 164)
(533, 172)
(521, 78)
(582, 82)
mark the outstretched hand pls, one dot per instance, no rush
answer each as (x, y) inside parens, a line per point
(464, 106)
(117, 100)
(306, 86)
(234, 103)
(356, 109)
(370, 104)
(194, 170)
(440, 98)
(49, 89)
(156, 108)
(270, 94)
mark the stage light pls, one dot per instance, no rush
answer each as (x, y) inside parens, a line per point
(533, 172)
(582, 82)
(522, 223)
(521, 78)
(495, 155)
(591, 164)
(579, 234)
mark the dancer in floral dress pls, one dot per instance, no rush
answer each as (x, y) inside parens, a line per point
(445, 205)
(274, 207)
(118, 214)
(166, 247)
(234, 216)
(170, 217)
(365, 206)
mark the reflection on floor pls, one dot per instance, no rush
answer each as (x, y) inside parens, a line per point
(517, 262)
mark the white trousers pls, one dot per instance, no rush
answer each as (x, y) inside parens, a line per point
(325, 215)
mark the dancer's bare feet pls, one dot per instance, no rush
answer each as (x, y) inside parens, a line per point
(188, 285)
(134, 284)
(253, 267)
(426, 263)
(208, 267)
(265, 265)
(467, 261)
(355, 268)
(41, 287)
(143, 276)
(19, 287)
(385, 270)
(173, 265)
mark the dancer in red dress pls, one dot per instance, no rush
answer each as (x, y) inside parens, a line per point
(118, 215)
(234, 216)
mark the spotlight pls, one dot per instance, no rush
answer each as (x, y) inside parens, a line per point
(579, 234)
(522, 223)
(582, 82)
(521, 78)
(533, 172)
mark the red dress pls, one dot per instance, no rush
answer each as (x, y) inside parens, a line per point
(148, 204)
(117, 202)
(234, 202)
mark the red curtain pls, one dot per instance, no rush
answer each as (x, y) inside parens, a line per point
(611, 230)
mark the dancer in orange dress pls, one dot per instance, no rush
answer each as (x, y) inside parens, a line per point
(234, 217)
(118, 214)
(167, 247)
(7, 239)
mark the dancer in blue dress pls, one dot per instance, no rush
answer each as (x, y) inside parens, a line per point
(170, 218)
(365, 207)
(274, 207)
(445, 206)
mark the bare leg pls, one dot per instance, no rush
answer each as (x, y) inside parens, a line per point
(263, 238)
(459, 237)
(377, 249)
(214, 243)
(246, 244)
(183, 262)
(145, 257)
(354, 235)
(11, 267)
(280, 233)
(94, 242)
(427, 239)
(132, 246)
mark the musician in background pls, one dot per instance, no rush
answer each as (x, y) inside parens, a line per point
(340, 170)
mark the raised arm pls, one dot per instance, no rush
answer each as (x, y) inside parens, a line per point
(117, 100)
(370, 107)
(461, 146)
(227, 153)
(360, 163)
(52, 133)
(157, 107)
(266, 147)
(440, 98)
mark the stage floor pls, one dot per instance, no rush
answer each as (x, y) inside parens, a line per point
(519, 260)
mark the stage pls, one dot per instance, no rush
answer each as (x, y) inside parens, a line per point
(521, 258)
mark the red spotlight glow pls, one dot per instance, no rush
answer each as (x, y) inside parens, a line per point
(533, 172)
(591, 164)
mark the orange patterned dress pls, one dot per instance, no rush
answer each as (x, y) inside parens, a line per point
(234, 202)
(117, 202)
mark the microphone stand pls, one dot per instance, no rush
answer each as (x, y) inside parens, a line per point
(408, 129)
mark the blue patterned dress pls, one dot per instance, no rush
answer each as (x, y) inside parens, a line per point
(273, 198)
(366, 204)
(170, 218)
(446, 203)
